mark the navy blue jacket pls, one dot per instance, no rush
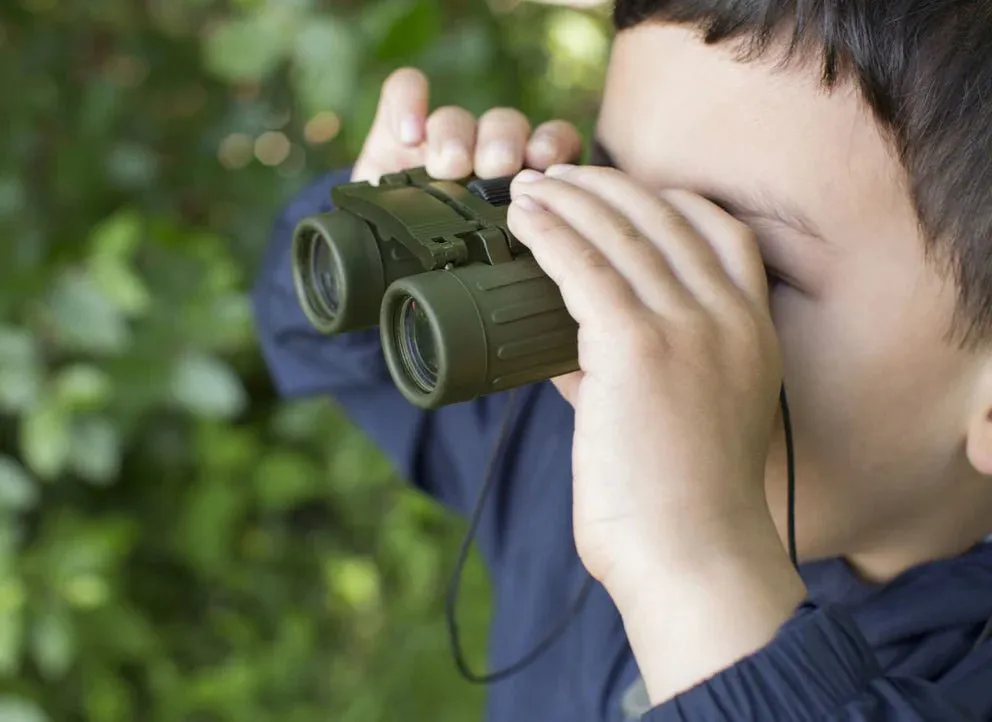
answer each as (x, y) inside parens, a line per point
(902, 652)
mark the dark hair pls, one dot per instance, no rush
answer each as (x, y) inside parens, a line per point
(925, 69)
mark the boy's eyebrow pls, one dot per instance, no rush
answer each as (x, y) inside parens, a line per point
(762, 204)
(759, 204)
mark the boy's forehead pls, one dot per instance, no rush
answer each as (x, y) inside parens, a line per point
(678, 112)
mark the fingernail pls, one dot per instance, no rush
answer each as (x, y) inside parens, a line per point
(559, 169)
(410, 130)
(453, 155)
(526, 203)
(528, 176)
(500, 154)
(544, 146)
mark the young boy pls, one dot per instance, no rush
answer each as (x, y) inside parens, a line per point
(844, 146)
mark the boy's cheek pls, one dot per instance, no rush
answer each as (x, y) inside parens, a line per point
(867, 460)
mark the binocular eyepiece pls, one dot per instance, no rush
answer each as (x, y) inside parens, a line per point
(462, 307)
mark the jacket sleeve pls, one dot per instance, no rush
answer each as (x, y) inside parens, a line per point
(818, 668)
(443, 452)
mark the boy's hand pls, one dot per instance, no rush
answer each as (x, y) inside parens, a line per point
(451, 142)
(674, 409)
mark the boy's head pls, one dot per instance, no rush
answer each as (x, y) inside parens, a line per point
(855, 140)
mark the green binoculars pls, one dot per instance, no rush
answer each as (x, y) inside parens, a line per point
(462, 307)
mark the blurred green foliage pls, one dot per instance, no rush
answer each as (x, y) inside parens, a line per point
(176, 544)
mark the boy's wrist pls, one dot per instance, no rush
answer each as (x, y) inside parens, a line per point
(726, 604)
(697, 552)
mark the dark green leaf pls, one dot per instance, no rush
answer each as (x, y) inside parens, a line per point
(11, 625)
(412, 29)
(107, 697)
(12, 195)
(132, 166)
(285, 479)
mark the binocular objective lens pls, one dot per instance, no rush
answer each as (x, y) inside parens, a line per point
(324, 277)
(418, 345)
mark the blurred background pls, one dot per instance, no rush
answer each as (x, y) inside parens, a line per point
(177, 544)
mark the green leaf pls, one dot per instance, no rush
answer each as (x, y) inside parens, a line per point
(476, 50)
(12, 195)
(117, 236)
(80, 548)
(86, 591)
(96, 449)
(221, 324)
(21, 369)
(226, 449)
(46, 440)
(11, 534)
(11, 626)
(132, 166)
(210, 517)
(17, 347)
(18, 709)
(53, 644)
(247, 48)
(376, 19)
(82, 387)
(107, 697)
(85, 319)
(356, 581)
(326, 55)
(119, 284)
(206, 386)
(303, 419)
(98, 106)
(357, 464)
(20, 387)
(17, 489)
(284, 479)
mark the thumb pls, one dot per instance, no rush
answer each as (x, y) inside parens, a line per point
(568, 386)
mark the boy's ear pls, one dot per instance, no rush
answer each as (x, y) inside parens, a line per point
(979, 442)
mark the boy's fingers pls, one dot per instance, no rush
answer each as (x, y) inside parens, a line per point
(395, 139)
(554, 142)
(733, 242)
(596, 295)
(403, 105)
(501, 142)
(450, 140)
(617, 236)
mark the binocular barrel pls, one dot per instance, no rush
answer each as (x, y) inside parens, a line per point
(453, 335)
(341, 270)
(463, 309)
